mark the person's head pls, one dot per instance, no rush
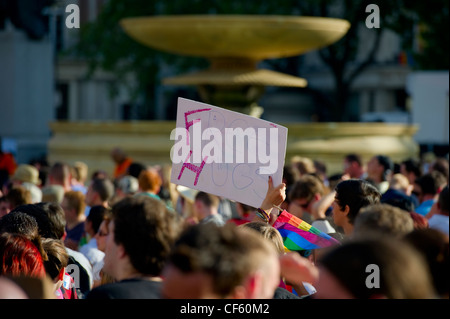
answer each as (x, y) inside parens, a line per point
(150, 181)
(209, 261)
(53, 193)
(118, 155)
(303, 165)
(20, 257)
(126, 186)
(49, 217)
(59, 174)
(384, 219)
(353, 165)
(400, 182)
(379, 168)
(434, 246)
(80, 172)
(20, 223)
(135, 169)
(440, 164)
(411, 169)
(206, 204)
(57, 261)
(140, 236)
(351, 196)
(306, 190)
(373, 267)
(73, 205)
(290, 175)
(97, 214)
(429, 185)
(103, 231)
(17, 196)
(99, 192)
(443, 201)
(269, 232)
(26, 174)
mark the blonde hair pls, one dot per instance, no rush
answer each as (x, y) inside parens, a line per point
(269, 232)
(399, 182)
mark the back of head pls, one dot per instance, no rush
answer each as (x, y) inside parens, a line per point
(80, 171)
(53, 193)
(17, 196)
(135, 169)
(150, 181)
(49, 217)
(431, 183)
(384, 219)
(303, 165)
(58, 258)
(209, 200)
(20, 257)
(20, 223)
(440, 165)
(147, 230)
(412, 166)
(399, 182)
(269, 232)
(434, 246)
(354, 158)
(128, 185)
(59, 173)
(103, 187)
(356, 194)
(306, 187)
(398, 271)
(227, 254)
(75, 200)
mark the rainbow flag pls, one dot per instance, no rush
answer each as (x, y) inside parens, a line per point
(299, 235)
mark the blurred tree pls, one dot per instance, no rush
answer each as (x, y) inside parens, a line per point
(105, 45)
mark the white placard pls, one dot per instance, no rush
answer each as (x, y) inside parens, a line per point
(226, 153)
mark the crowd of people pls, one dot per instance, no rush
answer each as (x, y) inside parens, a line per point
(131, 234)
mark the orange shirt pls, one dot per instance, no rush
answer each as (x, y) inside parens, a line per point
(121, 169)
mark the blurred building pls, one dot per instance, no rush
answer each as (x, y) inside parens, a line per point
(38, 85)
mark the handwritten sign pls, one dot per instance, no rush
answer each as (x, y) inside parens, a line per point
(226, 153)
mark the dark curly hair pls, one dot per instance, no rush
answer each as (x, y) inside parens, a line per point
(147, 229)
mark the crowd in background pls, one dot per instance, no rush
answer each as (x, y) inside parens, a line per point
(131, 233)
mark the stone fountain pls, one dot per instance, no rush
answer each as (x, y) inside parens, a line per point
(234, 45)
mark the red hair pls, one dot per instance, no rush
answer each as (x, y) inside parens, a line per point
(20, 257)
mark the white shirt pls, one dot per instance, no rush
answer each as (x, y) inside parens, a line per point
(439, 222)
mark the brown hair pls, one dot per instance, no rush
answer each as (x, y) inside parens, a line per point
(75, 200)
(17, 196)
(306, 187)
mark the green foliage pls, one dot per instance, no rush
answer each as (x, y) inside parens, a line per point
(105, 45)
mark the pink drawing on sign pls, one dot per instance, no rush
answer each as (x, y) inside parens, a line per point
(190, 123)
(273, 125)
(196, 169)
